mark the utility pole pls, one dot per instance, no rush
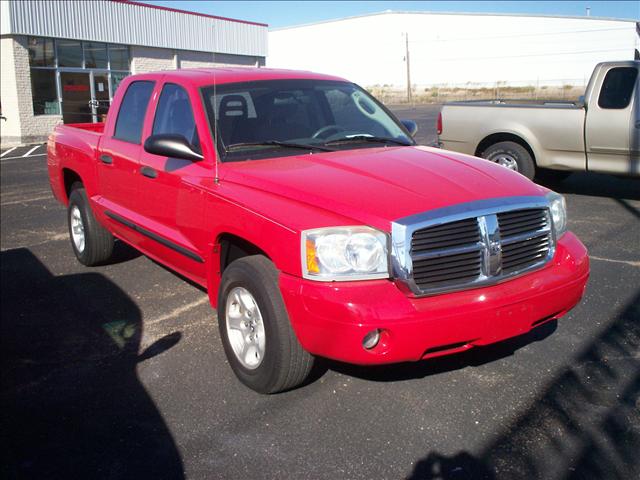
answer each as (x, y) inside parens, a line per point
(406, 56)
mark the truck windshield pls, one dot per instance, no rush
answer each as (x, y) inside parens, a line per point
(284, 117)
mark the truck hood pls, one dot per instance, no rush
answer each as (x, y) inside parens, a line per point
(375, 186)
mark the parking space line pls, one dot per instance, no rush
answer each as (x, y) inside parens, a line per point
(627, 262)
(31, 151)
(178, 311)
(27, 200)
(22, 156)
(7, 152)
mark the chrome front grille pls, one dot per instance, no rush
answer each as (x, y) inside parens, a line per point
(466, 247)
(447, 269)
(521, 221)
(454, 234)
(523, 253)
(446, 253)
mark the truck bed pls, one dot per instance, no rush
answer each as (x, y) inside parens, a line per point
(89, 127)
(77, 143)
(518, 103)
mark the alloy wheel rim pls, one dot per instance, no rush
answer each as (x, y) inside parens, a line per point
(77, 229)
(245, 328)
(506, 160)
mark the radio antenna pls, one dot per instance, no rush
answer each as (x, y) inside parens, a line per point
(216, 109)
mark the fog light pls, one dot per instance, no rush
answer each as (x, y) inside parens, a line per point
(371, 339)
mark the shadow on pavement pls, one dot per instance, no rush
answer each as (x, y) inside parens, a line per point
(474, 357)
(123, 253)
(586, 424)
(72, 404)
(595, 185)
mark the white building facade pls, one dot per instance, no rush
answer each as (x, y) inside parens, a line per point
(62, 60)
(450, 48)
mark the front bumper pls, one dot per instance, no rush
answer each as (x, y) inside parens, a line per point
(331, 319)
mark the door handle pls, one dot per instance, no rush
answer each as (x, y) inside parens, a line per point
(149, 172)
(637, 124)
(106, 159)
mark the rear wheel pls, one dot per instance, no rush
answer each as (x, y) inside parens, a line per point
(256, 333)
(91, 242)
(512, 156)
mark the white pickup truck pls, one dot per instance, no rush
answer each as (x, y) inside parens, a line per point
(599, 133)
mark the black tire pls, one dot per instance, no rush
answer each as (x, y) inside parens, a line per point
(526, 165)
(285, 363)
(98, 242)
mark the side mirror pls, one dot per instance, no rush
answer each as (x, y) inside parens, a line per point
(171, 145)
(411, 126)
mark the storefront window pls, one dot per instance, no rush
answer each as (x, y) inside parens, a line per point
(116, 78)
(69, 53)
(95, 55)
(45, 94)
(54, 62)
(41, 53)
(119, 56)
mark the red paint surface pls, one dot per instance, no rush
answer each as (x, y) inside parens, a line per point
(268, 202)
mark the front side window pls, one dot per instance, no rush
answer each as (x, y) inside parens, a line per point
(617, 88)
(174, 114)
(315, 114)
(132, 111)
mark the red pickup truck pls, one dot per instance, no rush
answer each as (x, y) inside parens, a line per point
(317, 225)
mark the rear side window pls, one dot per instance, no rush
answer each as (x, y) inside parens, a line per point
(132, 110)
(174, 114)
(617, 87)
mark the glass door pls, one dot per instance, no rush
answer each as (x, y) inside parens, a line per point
(76, 97)
(101, 100)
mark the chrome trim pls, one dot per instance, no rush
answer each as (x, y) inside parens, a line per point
(341, 277)
(441, 252)
(491, 244)
(493, 250)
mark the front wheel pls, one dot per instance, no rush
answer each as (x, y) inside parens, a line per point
(256, 333)
(512, 156)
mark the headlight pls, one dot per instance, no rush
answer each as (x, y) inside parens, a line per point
(344, 253)
(558, 210)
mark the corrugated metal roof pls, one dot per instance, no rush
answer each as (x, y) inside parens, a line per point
(131, 24)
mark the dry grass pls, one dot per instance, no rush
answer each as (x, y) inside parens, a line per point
(442, 94)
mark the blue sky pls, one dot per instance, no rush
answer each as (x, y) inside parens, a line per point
(287, 13)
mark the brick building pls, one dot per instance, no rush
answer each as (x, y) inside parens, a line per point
(60, 64)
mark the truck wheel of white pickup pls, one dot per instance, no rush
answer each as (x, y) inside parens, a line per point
(256, 333)
(91, 242)
(512, 156)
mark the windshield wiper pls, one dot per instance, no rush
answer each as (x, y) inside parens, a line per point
(277, 143)
(367, 138)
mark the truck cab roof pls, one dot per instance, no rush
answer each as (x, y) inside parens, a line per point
(207, 76)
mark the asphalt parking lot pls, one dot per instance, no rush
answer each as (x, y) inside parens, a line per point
(118, 371)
